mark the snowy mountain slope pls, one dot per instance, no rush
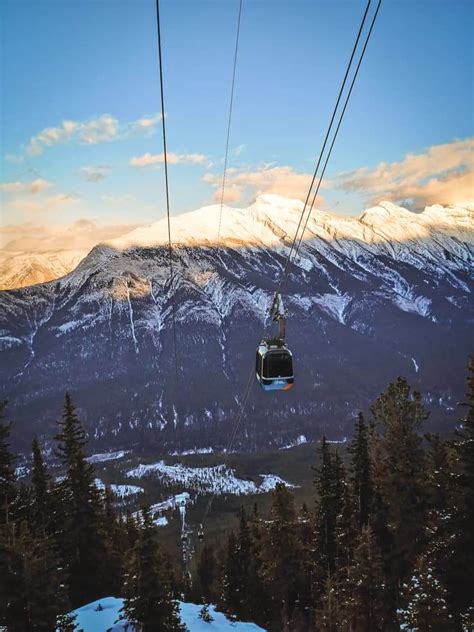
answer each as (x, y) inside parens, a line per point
(21, 269)
(91, 619)
(369, 298)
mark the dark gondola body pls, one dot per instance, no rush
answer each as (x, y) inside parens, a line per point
(274, 366)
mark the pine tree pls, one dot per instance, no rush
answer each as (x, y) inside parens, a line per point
(7, 470)
(231, 576)
(281, 567)
(36, 592)
(399, 414)
(461, 572)
(205, 615)
(207, 572)
(327, 615)
(78, 503)
(113, 532)
(361, 470)
(149, 603)
(329, 485)
(363, 588)
(66, 623)
(41, 499)
(424, 601)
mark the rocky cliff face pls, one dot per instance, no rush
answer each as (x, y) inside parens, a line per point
(369, 298)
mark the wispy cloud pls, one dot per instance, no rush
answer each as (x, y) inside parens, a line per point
(102, 129)
(248, 183)
(95, 173)
(33, 187)
(154, 159)
(35, 205)
(83, 234)
(443, 174)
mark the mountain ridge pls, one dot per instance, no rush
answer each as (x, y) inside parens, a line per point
(268, 226)
(360, 313)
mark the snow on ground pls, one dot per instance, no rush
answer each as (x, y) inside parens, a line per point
(298, 441)
(90, 619)
(270, 481)
(156, 511)
(193, 451)
(122, 491)
(106, 456)
(218, 479)
(21, 471)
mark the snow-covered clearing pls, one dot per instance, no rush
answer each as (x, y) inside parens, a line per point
(122, 491)
(218, 479)
(90, 619)
(106, 456)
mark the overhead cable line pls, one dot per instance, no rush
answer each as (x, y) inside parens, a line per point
(286, 268)
(229, 122)
(335, 135)
(165, 160)
(284, 276)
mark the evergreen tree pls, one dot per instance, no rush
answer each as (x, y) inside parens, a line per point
(66, 623)
(41, 507)
(327, 616)
(205, 615)
(231, 580)
(424, 601)
(80, 536)
(7, 470)
(399, 413)
(114, 536)
(461, 575)
(329, 486)
(363, 588)
(361, 469)
(149, 602)
(281, 564)
(207, 572)
(36, 593)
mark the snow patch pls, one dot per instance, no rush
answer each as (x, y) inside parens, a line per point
(298, 441)
(218, 479)
(101, 615)
(106, 456)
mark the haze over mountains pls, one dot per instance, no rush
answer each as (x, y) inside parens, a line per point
(369, 298)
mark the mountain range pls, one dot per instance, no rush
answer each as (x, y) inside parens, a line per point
(369, 298)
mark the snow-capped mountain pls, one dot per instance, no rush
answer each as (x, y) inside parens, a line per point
(369, 298)
(22, 269)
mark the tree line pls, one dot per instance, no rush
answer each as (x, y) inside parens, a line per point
(63, 544)
(387, 542)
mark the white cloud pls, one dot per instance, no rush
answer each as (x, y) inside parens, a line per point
(102, 129)
(95, 173)
(83, 234)
(443, 174)
(264, 179)
(36, 186)
(153, 159)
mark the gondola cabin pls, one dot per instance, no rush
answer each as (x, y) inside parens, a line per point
(274, 366)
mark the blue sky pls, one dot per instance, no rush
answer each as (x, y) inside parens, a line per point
(76, 60)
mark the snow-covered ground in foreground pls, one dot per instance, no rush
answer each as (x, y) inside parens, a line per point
(218, 479)
(89, 619)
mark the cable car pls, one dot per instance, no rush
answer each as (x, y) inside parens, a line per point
(274, 366)
(201, 532)
(274, 360)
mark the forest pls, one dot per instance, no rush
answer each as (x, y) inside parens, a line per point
(387, 542)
